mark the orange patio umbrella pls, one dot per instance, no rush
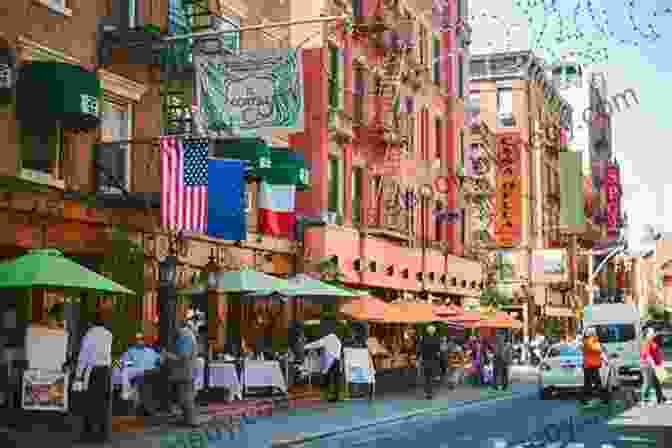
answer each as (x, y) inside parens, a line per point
(365, 308)
(454, 313)
(410, 313)
(499, 320)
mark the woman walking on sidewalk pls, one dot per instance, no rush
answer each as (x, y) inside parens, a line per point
(430, 349)
(652, 360)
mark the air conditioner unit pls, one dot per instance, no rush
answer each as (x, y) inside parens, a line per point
(332, 218)
(506, 119)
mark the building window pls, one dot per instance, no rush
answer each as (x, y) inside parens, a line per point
(463, 228)
(460, 76)
(436, 61)
(439, 222)
(336, 67)
(356, 193)
(422, 45)
(411, 135)
(438, 129)
(359, 94)
(333, 177)
(114, 153)
(474, 109)
(505, 107)
(42, 148)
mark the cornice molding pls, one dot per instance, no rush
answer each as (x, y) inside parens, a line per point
(29, 50)
(121, 86)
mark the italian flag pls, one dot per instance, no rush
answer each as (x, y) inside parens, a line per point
(276, 209)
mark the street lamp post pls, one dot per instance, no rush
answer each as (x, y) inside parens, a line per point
(167, 301)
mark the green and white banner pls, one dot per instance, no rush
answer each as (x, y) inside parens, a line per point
(572, 213)
(252, 92)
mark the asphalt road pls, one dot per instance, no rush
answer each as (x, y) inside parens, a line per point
(500, 423)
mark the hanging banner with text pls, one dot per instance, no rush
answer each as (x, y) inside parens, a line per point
(508, 203)
(251, 93)
(613, 187)
(572, 205)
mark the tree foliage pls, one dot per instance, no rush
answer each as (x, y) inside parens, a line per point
(124, 263)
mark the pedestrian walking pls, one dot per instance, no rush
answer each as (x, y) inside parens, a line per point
(181, 372)
(503, 357)
(455, 363)
(330, 362)
(431, 355)
(93, 378)
(592, 362)
(652, 361)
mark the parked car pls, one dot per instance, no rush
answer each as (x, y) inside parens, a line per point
(561, 370)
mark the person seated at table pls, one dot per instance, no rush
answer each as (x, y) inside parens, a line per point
(140, 355)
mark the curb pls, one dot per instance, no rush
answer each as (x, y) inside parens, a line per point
(396, 418)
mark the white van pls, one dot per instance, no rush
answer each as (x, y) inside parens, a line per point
(619, 329)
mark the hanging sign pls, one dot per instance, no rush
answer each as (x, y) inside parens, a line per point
(45, 390)
(509, 191)
(613, 200)
(251, 93)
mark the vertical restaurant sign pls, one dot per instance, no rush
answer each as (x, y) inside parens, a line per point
(252, 92)
(613, 199)
(508, 201)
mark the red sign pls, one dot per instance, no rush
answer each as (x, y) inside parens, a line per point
(613, 189)
(508, 202)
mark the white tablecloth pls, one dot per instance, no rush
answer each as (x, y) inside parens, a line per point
(199, 374)
(123, 377)
(311, 363)
(224, 374)
(263, 373)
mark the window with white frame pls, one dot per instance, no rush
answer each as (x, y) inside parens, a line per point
(113, 154)
(505, 107)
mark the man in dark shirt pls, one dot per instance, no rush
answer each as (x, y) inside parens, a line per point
(430, 350)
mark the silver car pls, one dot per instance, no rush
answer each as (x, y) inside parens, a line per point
(562, 370)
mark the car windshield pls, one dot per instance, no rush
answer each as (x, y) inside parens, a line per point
(564, 351)
(615, 333)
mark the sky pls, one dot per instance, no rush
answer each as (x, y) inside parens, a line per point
(640, 132)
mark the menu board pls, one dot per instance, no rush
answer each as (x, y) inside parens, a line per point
(44, 390)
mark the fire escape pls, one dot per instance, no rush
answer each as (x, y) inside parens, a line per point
(177, 69)
(383, 128)
(478, 187)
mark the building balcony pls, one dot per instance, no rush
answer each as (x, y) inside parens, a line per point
(142, 43)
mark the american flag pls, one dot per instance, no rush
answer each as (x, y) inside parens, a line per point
(184, 184)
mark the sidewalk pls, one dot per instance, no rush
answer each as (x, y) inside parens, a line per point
(283, 427)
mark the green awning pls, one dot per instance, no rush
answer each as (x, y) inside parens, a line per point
(288, 167)
(58, 92)
(254, 150)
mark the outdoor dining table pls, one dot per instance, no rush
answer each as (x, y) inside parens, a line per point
(225, 374)
(124, 377)
(654, 421)
(263, 374)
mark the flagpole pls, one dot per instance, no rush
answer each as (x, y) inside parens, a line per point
(255, 27)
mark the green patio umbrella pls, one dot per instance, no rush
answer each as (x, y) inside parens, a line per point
(48, 268)
(243, 281)
(309, 288)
